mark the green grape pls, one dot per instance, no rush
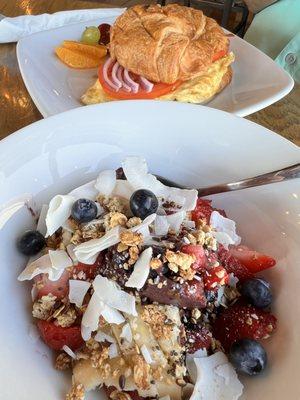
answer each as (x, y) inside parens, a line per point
(91, 35)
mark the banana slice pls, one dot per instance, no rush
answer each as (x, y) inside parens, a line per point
(150, 363)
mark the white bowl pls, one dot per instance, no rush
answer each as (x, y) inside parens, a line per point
(189, 144)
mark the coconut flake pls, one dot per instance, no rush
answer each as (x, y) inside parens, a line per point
(225, 229)
(86, 191)
(106, 182)
(175, 220)
(77, 291)
(70, 250)
(67, 226)
(111, 294)
(186, 198)
(88, 252)
(113, 351)
(220, 295)
(141, 270)
(66, 237)
(161, 225)
(112, 316)
(136, 172)
(190, 364)
(233, 280)
(92, 313)
(59, 211)
(60, 259)
(145, 224)
(189, 224)
(146, 354)
(216, 379)
(69, 351)
(122, 189)
(103, 337)
(9, 209)
(52, 264)
(224, 371)
(41, 225)
(126, 333)
(86, 332)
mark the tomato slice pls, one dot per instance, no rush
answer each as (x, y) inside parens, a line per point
(158, 90)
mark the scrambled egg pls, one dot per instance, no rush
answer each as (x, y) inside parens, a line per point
(197, 90)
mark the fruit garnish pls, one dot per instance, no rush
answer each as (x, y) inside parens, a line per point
(98, 51)
(104, 30)
(203, 210)
(91, 35)
(233, 265)
(197, 338)
(252, 260)
(143, 203)
(248, 356)
(242, 321)
(31, 243)
(214, 277)
(257, 292)
(80, 55)
(84, 210)
(198, 251)
(59, 288)
(56, 336)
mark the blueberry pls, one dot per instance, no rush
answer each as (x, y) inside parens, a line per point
(84, 210)
(258, 292)
(31, 243)
(143, 203)
(248, 356)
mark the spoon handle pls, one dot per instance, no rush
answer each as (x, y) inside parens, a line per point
(280, 175)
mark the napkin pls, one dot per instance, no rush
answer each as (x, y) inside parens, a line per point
(13, 29)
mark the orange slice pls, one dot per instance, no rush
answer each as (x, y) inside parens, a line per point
(97, 50)
(80, 55)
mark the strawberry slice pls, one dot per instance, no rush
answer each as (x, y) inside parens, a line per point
(203, 210)
(198, 251)
(252, 260)
(215, 276)
(84, 272)
(198, 338)
(56, 336)
(233, 265)
(243, 321)
(59, 288)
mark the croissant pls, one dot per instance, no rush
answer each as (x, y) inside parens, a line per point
(166, 44)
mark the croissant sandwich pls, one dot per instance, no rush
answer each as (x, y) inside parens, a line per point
(167, 53)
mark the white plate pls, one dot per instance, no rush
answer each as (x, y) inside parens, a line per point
(257, 80)
(193, 145)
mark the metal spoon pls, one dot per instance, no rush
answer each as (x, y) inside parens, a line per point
(271, 177)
